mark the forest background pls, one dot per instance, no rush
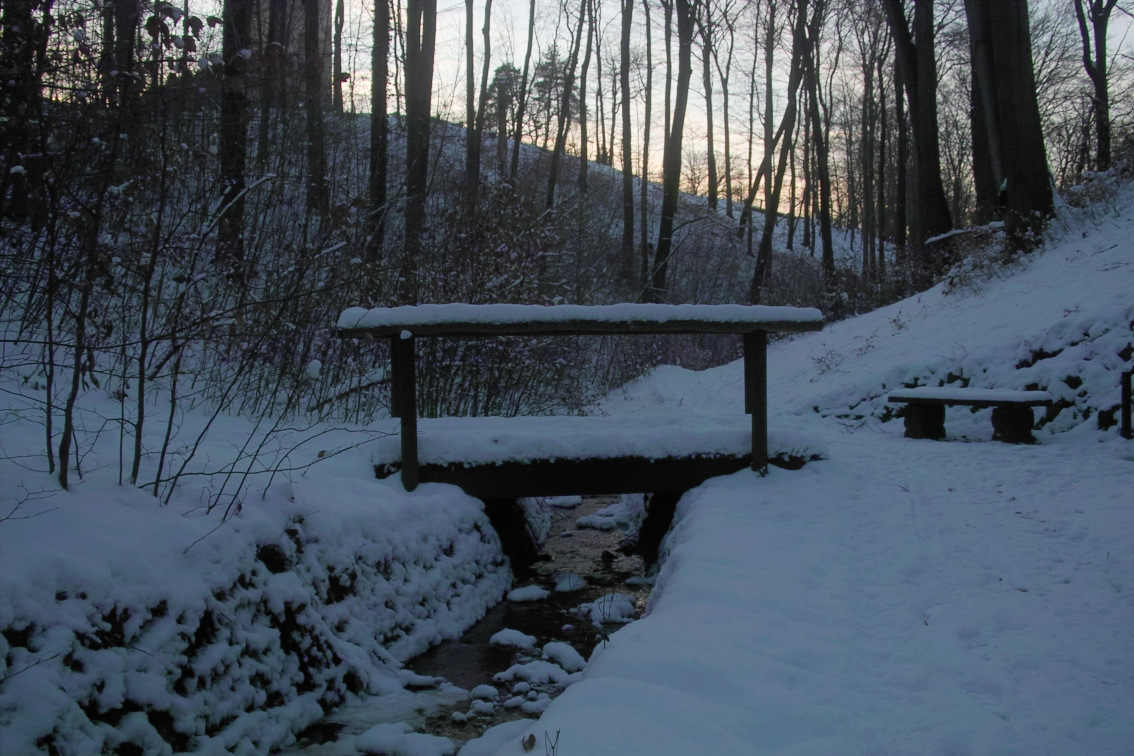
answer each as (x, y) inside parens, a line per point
(193, 191)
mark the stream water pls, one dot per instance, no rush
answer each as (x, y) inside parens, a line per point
(450, 709)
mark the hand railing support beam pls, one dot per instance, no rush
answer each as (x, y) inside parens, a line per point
(403, 403)
(756, 395)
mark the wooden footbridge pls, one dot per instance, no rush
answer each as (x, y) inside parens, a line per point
(512, 458)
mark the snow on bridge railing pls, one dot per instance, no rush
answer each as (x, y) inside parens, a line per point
(509, 319)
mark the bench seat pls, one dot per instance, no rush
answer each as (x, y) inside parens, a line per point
(1012, 418)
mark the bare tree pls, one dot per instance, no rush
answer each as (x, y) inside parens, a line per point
(318, 190)
(522, 95)
(421, 42)
(671, 159)
(474, 128)
(379, 127)
(233, 136)
(627, 254)
(584, 161)
(564, 115)
(706, 27)
(643, 203)
(1097, 13)
(340, 76)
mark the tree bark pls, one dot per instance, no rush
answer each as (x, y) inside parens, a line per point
(707, 82)
(340, 20)
(564, 120)
(318, 191)
(627, 255)
(774, 185)
(584, 159)
(474, 134)
(643, 203)
(379, 128)
(1099, 17)
(671, 159)
(421, 42)
(522, 97)
(916, 59)
(1001, 53)
(233, 136)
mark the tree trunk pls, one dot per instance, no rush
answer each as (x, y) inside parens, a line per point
(880, 214)
(723, 75)
(340, 75)
(627, 255)
(1001, 53)
(564, 120)
(233, 137)
(820, 140)
(707, 82)
(916, 58)
(1099, 16)
(379, 128)
(474, 134)
(773, 186)
(273, 58)
(584, 160)
(901, 190)
(503, 86)
(421, 42)
(645, 182)
(23, 60)
(671, 159)
(522, 97)
(318, 191)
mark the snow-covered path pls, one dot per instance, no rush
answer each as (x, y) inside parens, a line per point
(904, 597)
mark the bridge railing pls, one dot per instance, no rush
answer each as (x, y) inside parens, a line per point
(403, 325)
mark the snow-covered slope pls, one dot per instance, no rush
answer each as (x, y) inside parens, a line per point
(1060, 320)
(903, 596)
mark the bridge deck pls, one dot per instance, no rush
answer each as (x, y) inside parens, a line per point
(498, 457)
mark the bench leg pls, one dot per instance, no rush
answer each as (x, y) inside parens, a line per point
(925, 421)
(1013, 425)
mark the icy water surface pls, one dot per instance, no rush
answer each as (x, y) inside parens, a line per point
(463, 665)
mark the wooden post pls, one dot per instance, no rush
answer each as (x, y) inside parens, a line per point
(403, 389)
(1127, 377)
(756, 395)
(396, 376)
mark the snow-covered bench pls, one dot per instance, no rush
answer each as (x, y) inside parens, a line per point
(609, 454)
(1012, 418)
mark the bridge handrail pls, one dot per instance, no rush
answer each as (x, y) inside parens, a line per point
(547, 320)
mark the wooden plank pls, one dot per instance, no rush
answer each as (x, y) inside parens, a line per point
(403, 400)
(579, 477)
(978, 403)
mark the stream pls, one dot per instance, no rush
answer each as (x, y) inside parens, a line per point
(470, 664)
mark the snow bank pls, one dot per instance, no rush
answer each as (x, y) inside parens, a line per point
(124, 622)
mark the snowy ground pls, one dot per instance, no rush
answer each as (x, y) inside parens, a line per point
(902, 596)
